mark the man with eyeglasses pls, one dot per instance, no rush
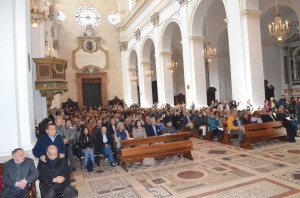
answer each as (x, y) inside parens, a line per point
(54, 176)
(50, 138)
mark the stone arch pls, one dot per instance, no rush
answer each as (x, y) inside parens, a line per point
(146, 48)
(133, 59)
(198, 16)
(166, 38)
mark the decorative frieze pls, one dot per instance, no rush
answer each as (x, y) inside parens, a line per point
(155, 19)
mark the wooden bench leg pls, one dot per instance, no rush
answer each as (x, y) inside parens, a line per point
(208, 136)
(195, 133)
(227, 139)
(124, 165)
(246, 145)
(284, 138)
(188, 155)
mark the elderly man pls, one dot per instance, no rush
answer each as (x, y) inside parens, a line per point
(233, 128)
(54, 176)
(51, 138)
(105, 145)
(153, 129)
(17, 173)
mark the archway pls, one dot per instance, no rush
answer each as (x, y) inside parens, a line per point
(149, 64)
(280, 68)
(172, 55)
(134, 80)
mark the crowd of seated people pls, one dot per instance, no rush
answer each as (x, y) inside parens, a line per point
(101, 129)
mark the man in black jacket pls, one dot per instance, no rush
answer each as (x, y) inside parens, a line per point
(153, 129)
(54, 176)
(104, 144)
(268, 117)
(281, 116)
(17, 173)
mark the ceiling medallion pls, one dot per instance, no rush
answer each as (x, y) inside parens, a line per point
(88, 15)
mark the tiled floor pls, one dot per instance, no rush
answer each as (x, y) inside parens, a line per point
(270, 170)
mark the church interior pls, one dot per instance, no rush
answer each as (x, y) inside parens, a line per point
(130, 60)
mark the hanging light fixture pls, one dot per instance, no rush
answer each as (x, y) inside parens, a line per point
(114, 17)
(37, 16)
(172, 66)
(61, 14)
(208, 52)
(149, 74)
(278, 29)
(88, 15)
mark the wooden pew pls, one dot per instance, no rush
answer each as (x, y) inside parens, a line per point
(196, 131)
(263, 132)
(182, 127)
(227, 136)
(209, 134)
(31, 187)
(156, 147)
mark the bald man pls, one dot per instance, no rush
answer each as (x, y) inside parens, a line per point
(54, 175)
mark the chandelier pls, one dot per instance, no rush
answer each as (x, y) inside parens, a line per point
(149, 74)
(172, 66)
(37, 16)
(208, 52)
(278, 29)
(88, 15)
(114, 17)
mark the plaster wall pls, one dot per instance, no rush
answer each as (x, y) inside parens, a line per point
(68, 34)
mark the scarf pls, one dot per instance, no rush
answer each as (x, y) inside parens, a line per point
(122, 134)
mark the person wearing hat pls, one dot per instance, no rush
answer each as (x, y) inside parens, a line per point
(169, 129)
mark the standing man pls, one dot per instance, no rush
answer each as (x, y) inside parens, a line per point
(17, 173)
(50, 138)
(72, 139)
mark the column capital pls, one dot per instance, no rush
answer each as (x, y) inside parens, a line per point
(137, 34)
(123, 46)
(182, 2)
(250, 13)
(155, 19)
(132, 69)
(197, 38)
(146, 63)
(166, 53)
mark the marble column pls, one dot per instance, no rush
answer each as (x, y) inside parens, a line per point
(133, 86)
(253, 56)
(159, 69)
(198, 71)
(16, 102)
(126, 79)
(168, 88)
(236, 51)
(146, 94)
(184, 22)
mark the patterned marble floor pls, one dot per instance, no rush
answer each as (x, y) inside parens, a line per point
(270, 170)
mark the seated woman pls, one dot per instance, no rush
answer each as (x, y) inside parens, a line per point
(256, 118)
(245, 119)
(214, 125)
(158, 123)
(267, 106)
(186, 120)
(121, 134)
(138, 131)
(221, 118)
(87, 145)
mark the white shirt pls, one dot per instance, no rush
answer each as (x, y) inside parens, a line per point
(104, 138)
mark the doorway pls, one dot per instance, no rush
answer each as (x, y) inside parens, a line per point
(91, 94)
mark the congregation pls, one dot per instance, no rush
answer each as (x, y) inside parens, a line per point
(73, 132)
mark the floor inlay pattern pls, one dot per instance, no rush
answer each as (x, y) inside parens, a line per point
(218, 170)
(260, 188)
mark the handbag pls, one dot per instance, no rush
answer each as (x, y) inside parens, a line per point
(90, 166)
